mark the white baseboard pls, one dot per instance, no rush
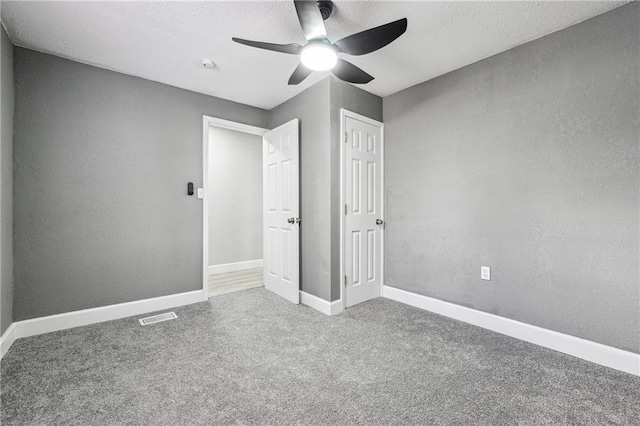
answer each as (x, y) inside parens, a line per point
(237, 266)
(327, 308)
(608, 356)
(336, 307)
(35, 326)
(7, 339)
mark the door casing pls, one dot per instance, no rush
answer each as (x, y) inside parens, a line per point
(343, 115)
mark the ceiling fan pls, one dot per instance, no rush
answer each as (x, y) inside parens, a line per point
(319, 54)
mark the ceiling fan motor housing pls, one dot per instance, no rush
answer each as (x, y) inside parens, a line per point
(326, 7)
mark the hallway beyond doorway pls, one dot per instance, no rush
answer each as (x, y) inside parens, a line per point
(235, 281)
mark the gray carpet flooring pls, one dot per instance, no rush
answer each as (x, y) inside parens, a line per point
(252, 358)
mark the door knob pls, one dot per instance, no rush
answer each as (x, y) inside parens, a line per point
(379, 221)
(291, 220)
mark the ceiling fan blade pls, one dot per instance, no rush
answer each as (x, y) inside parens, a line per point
(292, 49)
(299, 74)
(373, 39)
(350, 73)
(310, 19)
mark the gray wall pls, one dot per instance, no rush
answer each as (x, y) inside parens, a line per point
(6, 176)
(235, 196)
(312, 108)
(527, 162)
(101, 164)
(354, 99)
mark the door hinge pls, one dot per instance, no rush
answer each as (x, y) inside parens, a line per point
(345, 280)
(345, 209)
(346, 137)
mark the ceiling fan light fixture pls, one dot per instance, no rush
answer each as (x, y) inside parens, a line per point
(319, 56)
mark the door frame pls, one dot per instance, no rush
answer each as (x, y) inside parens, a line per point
(207, 123)
(344, 113)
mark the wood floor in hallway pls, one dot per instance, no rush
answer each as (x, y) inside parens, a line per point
(235, 281)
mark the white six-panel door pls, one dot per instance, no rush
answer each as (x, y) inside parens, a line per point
(282, 211)
(363, 226)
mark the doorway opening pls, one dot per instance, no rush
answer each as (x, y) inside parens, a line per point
(232, 207)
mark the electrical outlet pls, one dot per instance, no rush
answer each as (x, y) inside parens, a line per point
(485, 273)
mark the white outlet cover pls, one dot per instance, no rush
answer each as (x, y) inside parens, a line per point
(485, 273)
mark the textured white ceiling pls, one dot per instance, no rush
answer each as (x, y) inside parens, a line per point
(165, 41)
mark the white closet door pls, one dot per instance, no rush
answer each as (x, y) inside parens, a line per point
(363, 211)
